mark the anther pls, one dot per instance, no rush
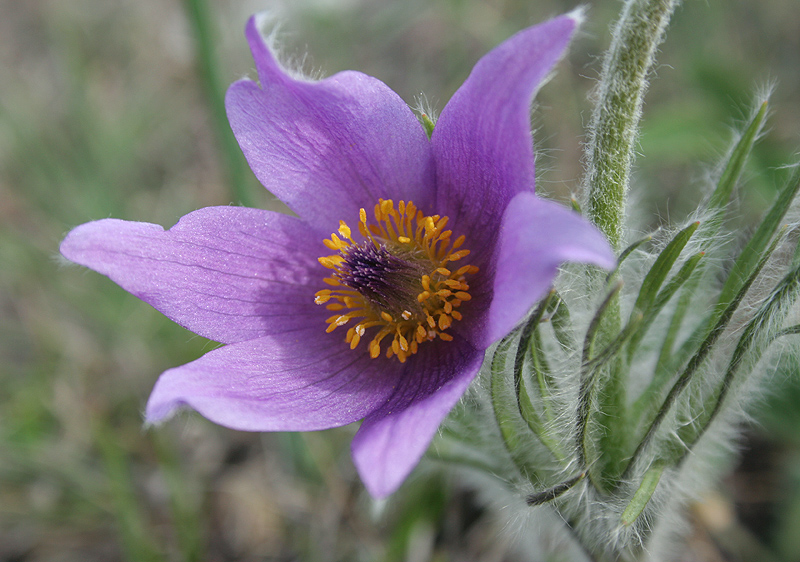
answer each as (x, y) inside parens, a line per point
(395, 279)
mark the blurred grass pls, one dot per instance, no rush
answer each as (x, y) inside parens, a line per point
(112, 109)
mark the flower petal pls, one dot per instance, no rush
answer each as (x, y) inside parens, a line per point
(393, 438)
(299, 381)
(482, 142)
(536, 237)
(331, 147)
(226, 273)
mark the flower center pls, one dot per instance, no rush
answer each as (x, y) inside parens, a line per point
(397, 279)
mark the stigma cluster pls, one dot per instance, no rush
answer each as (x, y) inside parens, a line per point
(399, 279)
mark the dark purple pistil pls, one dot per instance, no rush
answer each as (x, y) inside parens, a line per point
(387, 281)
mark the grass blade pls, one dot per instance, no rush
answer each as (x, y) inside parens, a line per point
(200, 19)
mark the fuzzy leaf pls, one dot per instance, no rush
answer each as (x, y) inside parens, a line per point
(754, 250)
(662, 299)
(735, 164)
(643, 494)
(661, 268)
(699, 356)
(790, 331)
(588, 380)
(625, 253)
(550, 494)
(562, 324)
(530, 345)
(796, 258)
(505, 414)
(630, 249)
(633, 326)
(752, 345)
(594, 325)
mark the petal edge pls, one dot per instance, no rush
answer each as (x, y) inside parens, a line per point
(537, 236)
(393, 438)
(287, 382)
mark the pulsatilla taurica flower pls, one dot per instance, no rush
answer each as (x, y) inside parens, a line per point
(408, 257)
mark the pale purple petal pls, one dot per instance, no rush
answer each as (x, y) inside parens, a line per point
(331, 147)
(393, 438)
(482, 142)
(299, 381)
(227, 273)
(536, 237)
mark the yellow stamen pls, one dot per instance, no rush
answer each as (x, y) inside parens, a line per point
(344, 230)
(411, 313)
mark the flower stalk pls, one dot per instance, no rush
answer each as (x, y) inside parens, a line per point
(618, 108)
(609, 155)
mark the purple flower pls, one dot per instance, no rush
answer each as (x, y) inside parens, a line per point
(408, 258)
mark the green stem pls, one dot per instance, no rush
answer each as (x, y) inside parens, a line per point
(609, 157)
(615, 121)
(236, 168)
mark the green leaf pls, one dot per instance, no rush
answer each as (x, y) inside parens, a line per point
(661, 268)
(700, 355)
(588, 380)
(751, 345)
(643, 494)
(535, 424)
(630, 249)
(625, 253)
(790, 331)
(530, 345)
(594, 325)
(677, 281)
(562, 324)
(662, 299)
(735, 164)
(751, 259)
(505, 413)
(681, 308)
(610, 350)
(550, 494)
(754, 250)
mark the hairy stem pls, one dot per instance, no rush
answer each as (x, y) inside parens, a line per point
(615, 121)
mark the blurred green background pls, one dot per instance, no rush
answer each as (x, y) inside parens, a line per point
(112, 109)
